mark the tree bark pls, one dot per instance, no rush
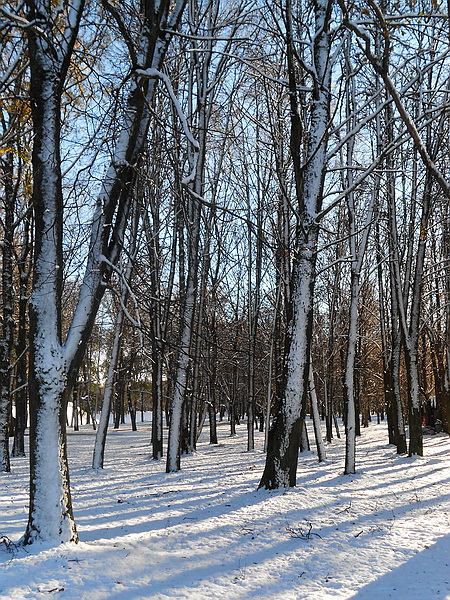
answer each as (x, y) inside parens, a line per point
(284, 436)
(53, 366)
(321, 452)
(7, 328)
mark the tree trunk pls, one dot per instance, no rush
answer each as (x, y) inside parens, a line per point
(349, 391)
(7, 327)
(53, 367)
(21, 392)
(212, 424)
(131, 411)
(284, 436)
(321, 452)
(50, 509)
(100, 436)
(75, 407)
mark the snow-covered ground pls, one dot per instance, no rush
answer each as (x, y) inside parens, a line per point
(205, 533)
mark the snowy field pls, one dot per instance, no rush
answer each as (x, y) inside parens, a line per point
(205, 533)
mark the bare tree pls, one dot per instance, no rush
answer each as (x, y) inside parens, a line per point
(14, 225)
(52, 34)
(123, 294)
(357, 253)
(205, 74)
(284, 436)
(380, 60)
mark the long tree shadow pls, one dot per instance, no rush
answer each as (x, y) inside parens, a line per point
(425, 576)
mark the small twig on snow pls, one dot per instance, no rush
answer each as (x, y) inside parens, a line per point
(301, 534)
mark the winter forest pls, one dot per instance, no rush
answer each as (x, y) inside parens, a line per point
(226, 215)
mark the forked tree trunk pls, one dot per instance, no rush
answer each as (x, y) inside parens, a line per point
(50, 509)
(53, 366)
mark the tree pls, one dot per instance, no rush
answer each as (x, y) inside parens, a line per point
(54, 365)
(14, 223)
(284, 436)
(123, 293)
(357, 252)
(427, 150)
(206, 71)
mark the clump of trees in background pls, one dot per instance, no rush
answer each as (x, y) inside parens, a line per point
(221, 209)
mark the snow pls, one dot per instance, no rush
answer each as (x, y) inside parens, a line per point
(205, 533)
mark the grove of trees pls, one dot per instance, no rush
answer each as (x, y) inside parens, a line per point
(218, 209)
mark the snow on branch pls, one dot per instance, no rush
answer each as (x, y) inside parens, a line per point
(156, 74)
(16, 19)
(124, 280)
(73, 20)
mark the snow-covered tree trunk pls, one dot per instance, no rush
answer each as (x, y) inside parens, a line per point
(321, 452)
(50, 509)
(355, 285)
(358, 245)
(357, 254)
(395, 358)
(390, 357)
(53, 366)
(332, 342)
(349, 388)
(194, 429)
(181, 378)
(284, 436)
(108, 393)
(102, 429)
(254, 274)
(50, 505)
(173, 462)
(200, 93)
